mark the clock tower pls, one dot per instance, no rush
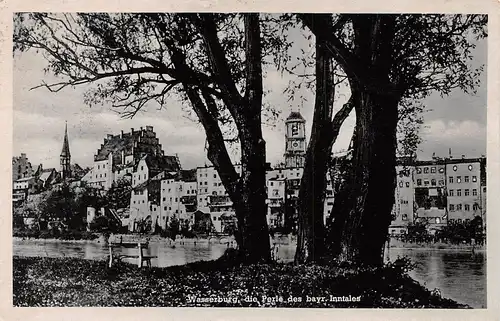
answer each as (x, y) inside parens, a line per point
(295, 139)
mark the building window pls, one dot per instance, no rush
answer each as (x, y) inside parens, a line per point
(419, 182)
(467, 207)
(459, 192)
(455, 168)
(176, 199)
(470, 167)
(98, 166)
(100, 175)
(407, 184)
(215, 175)
(452, 207)
(142, 201)
(441, 170)
(474, 192)
(419, 170)
(400, 184)
(459, 179)
(144, 176)
(451, 192)
(103, 166)
(134, 202)
(206, 190)
(142, 168)
(426, 183)
(475, 207)
(474, 179)
(104, 174)
(164, 208)
(466, 179)
(459, 207)
(426, 170)
(405, 217)
(467, 192)
(451, 179)
(433, 182)
(433, 169)
(441, 182)
(164, 199)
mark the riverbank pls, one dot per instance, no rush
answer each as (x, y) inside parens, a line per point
(398, 244)
(76, 282)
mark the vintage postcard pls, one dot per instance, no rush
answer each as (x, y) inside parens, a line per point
(318, 160)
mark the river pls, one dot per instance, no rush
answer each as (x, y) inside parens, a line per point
(459, 275)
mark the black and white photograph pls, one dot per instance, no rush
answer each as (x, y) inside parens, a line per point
(249, 159)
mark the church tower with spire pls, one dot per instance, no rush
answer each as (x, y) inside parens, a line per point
(65, 158)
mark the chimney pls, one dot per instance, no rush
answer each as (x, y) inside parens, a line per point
(132, 130)
(23, 155)
(121, 134)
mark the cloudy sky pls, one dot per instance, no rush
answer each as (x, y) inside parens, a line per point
(457, 121)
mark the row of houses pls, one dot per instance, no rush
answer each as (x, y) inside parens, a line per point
(438, 192)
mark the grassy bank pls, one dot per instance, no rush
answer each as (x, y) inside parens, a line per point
(77, 282)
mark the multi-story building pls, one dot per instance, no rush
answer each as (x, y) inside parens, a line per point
(119, 155)
(178, 198)
(276, 201)
(442, 190)
(404, 204)
(23, 187)
(430, 193)
(464, 189)
(21, 167)
(147, 178)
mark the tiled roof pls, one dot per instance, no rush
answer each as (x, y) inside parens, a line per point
(162, 163)
(187, 175)
(116, 144)
(295, 115)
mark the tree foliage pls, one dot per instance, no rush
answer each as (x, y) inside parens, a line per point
(392, 62)
(212, 62)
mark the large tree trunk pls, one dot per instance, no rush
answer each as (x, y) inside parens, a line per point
(310, 237)
(248, 192)
(363, 208)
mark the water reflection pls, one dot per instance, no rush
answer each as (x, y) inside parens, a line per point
(459, 275)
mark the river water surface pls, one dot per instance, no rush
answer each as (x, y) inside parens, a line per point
(459, 275)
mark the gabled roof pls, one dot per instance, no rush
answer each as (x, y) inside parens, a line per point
(161, 163)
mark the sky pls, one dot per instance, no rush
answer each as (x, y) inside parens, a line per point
(457, 121)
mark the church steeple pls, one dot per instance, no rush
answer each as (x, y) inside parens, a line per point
(65, 157)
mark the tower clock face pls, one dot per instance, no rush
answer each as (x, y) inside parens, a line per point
(295, 144)
(295, 130)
